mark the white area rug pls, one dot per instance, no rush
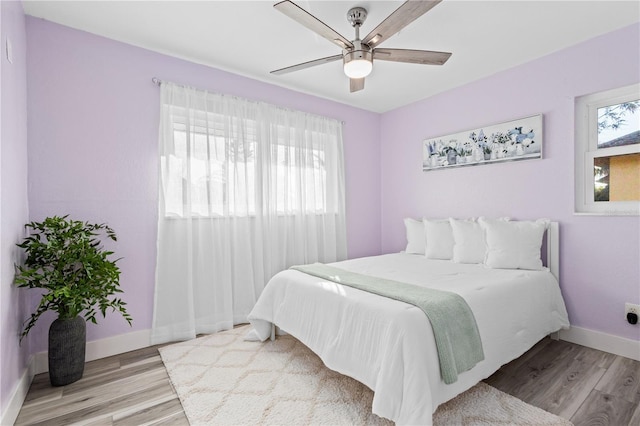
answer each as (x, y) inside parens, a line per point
(223, 380)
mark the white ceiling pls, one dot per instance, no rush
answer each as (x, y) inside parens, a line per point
(251, 38)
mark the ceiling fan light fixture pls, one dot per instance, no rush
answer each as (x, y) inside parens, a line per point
(358, 68)
(358, 63)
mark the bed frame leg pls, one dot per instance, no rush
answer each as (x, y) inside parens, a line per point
(555, 335)
(273, 332)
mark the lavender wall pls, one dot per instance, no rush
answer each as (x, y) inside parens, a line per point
(93, 134)
(600, 256)
(13, 192)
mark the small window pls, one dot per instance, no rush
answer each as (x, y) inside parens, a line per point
(607, 152)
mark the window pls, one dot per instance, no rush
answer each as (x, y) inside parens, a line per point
(207, 174)
(216, 167)
(607, 152)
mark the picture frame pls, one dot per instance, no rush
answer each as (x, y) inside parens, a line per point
(514, 140)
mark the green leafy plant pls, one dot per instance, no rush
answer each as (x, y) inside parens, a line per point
(65, 258)
(501, 138)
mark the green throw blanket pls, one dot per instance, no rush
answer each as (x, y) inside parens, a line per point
(454, 327)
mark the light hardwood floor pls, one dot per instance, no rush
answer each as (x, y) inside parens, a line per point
(584, 385)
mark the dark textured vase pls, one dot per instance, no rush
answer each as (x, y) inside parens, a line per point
(67, 342)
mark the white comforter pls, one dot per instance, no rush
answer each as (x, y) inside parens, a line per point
(389, 345)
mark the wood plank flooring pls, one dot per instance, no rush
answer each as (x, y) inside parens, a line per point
(586, 386)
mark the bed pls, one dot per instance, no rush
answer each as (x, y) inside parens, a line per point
(389, 345)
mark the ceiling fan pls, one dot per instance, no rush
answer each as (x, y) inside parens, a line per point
(358, 54)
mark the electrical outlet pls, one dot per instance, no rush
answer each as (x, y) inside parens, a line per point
(630, 308)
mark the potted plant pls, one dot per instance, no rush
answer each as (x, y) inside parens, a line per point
(65, 259)
(486, 150)
(452, 152)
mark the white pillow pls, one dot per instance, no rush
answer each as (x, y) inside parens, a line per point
(439, 239)
(514, 245)
(415, 236)
(469, 242)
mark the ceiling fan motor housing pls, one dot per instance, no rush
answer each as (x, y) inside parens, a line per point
(360, 51)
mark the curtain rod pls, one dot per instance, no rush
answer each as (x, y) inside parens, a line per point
(158, 82)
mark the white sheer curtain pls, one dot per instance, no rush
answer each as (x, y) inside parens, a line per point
(246, 189)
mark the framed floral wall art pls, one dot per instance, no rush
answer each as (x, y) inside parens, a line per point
(510, 141)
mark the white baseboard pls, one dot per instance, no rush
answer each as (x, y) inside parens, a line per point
(16, 399)
(604, 342)
(102, 348)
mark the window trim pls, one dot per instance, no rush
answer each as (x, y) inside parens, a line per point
(586, 149)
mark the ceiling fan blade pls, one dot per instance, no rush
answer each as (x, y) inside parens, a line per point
(426, 57)
(309, 64)
(303, 17)
(408, 12)
(356, 84)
